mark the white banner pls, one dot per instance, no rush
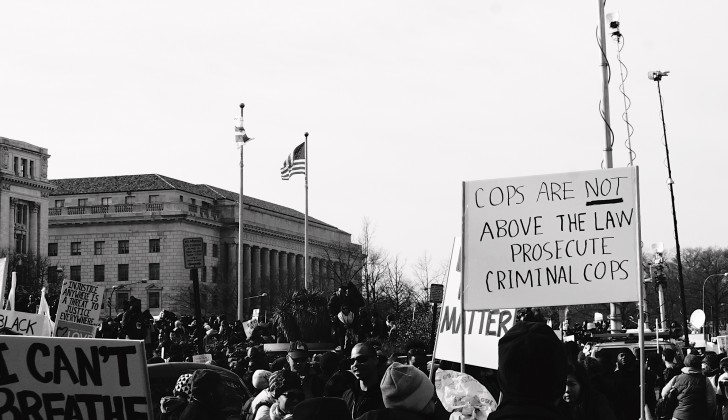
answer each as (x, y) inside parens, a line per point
(26, 323)
(483, 329)
(45, 377)
(551, 240)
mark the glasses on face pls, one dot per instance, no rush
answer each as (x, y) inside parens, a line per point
(294, 395)
(298, 359)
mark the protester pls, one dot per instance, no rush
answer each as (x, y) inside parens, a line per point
(261, 379)
(171, 407)
(407, 394)
(581, 401)
(626, 388)
(366, 395)
(286, 389)
(531, 373)
(672, 366)
(344, 329)
(336, 301)
(721, 396)
(206, 391)
(297, 359)
(695, 394)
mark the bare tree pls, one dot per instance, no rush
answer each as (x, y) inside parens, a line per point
(425, 275)
(375, 263)
(396, 290)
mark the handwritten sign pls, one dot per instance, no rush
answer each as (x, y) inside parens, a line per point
(79, 307)
(483, 328)
(48, 378)
(552, 240)
(202, 358)
(26, 323)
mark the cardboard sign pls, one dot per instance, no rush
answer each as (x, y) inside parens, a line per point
(79, 307)
(26, 323)
(56, 378)
(552, 240)
(193, 253)
(256, 314)
(202, 358)
(483, 328)
(248, 326)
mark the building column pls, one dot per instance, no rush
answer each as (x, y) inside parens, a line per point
(274, 274)
(33, 228)
(265, 277)
(291, 271)
(255, 271)
(315, 283)
(283, 273)
(299, 272)
(11, 223)
(246, 281)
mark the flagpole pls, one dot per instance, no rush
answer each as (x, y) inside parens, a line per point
(305, 220)
(241, 298)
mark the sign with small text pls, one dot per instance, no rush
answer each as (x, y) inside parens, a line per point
(549, 240)
(79, 307)
(193, 253)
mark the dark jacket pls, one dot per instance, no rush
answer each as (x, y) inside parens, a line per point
(360, 402)
(172, 407)
(691, 397)
(593, 406)
(203, 404)
(516, 411)
(394, 414)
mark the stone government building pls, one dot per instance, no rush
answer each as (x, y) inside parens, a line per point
(122, 230)
(118, 229)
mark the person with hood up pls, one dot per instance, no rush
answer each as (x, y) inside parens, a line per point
(286, 389)
(531, 373)
(172, 407)
(204, 402)
(695, 393)
(407, 393)
(581, 401)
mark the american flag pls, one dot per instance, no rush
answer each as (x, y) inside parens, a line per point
(295, 163)
(240, 135)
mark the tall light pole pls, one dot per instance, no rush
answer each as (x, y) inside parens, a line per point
(240, 137)
(725, 277)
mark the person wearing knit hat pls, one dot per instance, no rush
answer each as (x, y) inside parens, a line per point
(172, 406)
(408, 394)
(695, 393)
(531, 372)
(322, 408)
(206, 390)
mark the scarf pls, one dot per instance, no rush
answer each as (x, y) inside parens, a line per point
(346, 319)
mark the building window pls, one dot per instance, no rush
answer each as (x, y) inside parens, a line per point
(204, 274)
(98, 273)
(76, 272)
(214, 275)
(105, 201)
(154, 298)
(60, 203)
(153, 198)
(24, 167)
(154, 245)
(123, 272)
(52, 274)
(32, 173)
(75, 248)
(204, 249)
(153, 271)
(15, 165)
(99, 248)
(121, 297)
(123, 247)
(21, 214)
(129, 199)
(82, 202)
(181, 198)
(194, 201)
(215, 250)
(53, 249)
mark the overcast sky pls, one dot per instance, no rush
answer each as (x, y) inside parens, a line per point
(403, 100)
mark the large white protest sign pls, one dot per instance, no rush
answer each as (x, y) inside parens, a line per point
(483, 328)
(550, 240)
(79, 306)
(64, 378)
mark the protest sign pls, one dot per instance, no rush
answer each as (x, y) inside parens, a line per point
(248, 326)
(202, 358)
(483, 328)
(551, 240)
(26, 323)
(79, 306)
(45, 377)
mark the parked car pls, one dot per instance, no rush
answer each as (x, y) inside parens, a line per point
(163, 377)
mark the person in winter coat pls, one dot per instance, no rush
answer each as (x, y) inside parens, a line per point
(132, 323)
(580, 400)
(721, 395)
(205, 396)
(695, 393)
(531, 373)
(172, 407)
(286, 389)
(322, 408)
(407, 393)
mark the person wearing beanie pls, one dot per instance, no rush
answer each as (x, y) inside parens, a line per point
(322, 408)
(285, 388)
(407, 393)
(365, 395)
(171, 407)
(531, 373)
(206, 390)
(261, 379)
(695, 393)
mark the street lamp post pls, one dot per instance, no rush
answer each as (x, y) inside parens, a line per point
(725, 277)
(120, 286)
